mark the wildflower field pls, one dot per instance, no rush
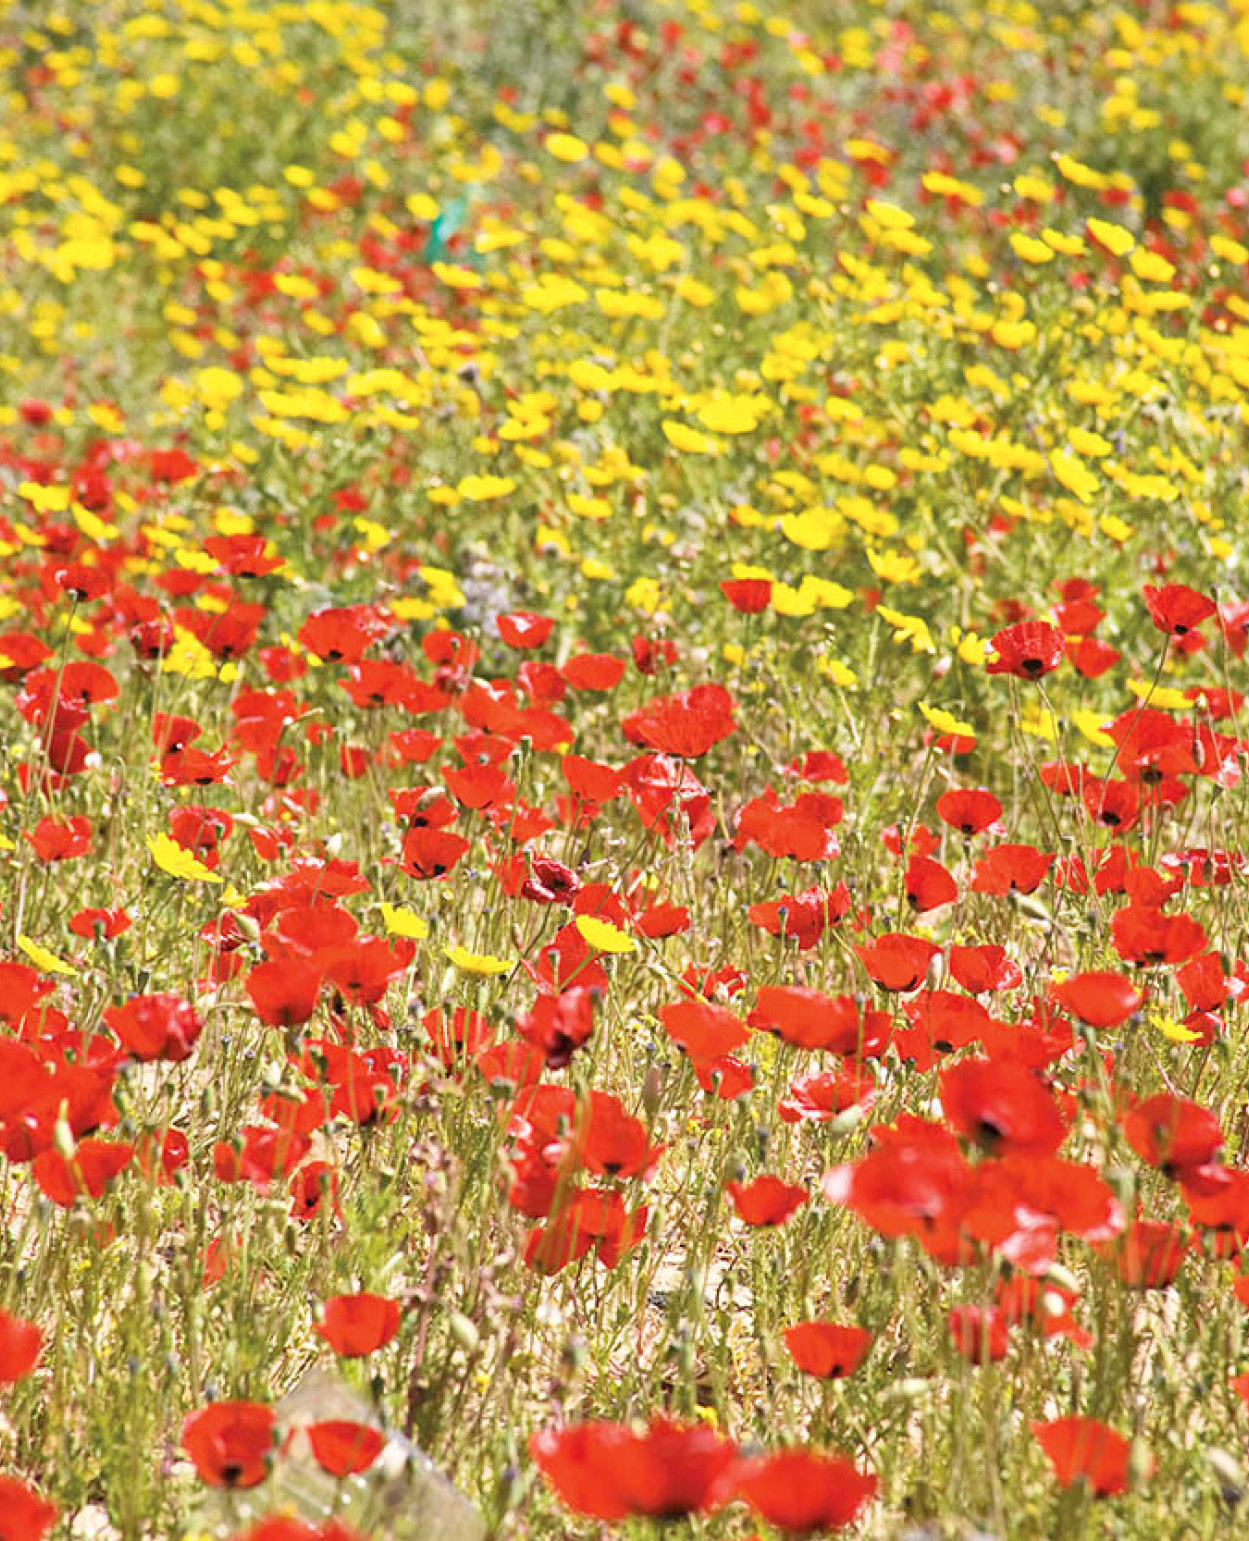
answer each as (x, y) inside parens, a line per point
(623, 769)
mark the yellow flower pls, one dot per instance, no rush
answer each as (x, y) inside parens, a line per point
(482, 963)
(1035, 720)
(1089, 723)
(1116, 240)
(567, 147)
(1152, 268)
(908, 628)
(402, 921)
(1165, 697)
(456, 277)
(733, 414)
(842, 675)
(1170, 1028)
(603, 936)
(947, 722)
(1075, 475)
(1030, 249)
(44, 960)
(686, 439)
(481, 489)
(178, 862)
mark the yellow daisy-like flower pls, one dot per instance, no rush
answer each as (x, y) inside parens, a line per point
(1114, 238)
(402, 921)
(1175, 1031)
(947, 722)
(567, 147)
(482, 963)
(178, 862)
(47, 962)
(686, 439)
(603, 936)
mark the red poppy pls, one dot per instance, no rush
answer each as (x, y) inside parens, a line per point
(1092, 657)
(341, 635)
(1152, 744)
(311, 1186)
(303, 933)
(804, 917)
(941, 1022)
(820, 765)
(432, 853)
(801, 831)
(897, 962)
(231, 1443)
(1173, 1133)
(1079, 615)
(593, 671)
(607, 1471)
(748, 596)
(87, 684)
(809, 1019)
(687, 725)
(969, 811)
(164, 1152)
(243, 556)
(612, 1143)
(590, 781)
(590, 1219)
(1142, 934)
(928, 885)
(20, 653)
(542, 682)
(822, 1097)
(1176, 609)
(85, 1174)
(1002, 1106)
(1100, 997)
(703, 1030)
(1149, 1253)
(362, 973)
(916, 840)
(259, 1154)
(21, 1343)
(669, 797)
(344, 1448)
(228, 633)
(286, 1527)
(480, 786)
(28, 1516)
(1024, 1300)
(100, 925)
(522, 629)
(980, 1334)
(1113, 804)
(284, 991)
(661, 919)
(61, 841)
(1085, 1450)
(827, 1349)
(156, 1027)
(802, 1491)
(1011, 869)
(767, 1200)
(1203, 982)
(984, 968)
(357, 1325)
(1027, 650)
(908, 1185)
